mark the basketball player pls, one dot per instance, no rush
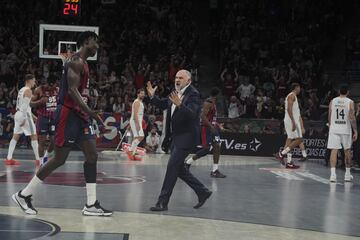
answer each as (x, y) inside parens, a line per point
(210, 135)
(44, 99)
(342, 120)
(73, 126)
(293, 125)
(136, 119)
(24, 123)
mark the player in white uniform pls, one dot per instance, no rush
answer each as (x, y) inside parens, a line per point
(294, 127)
(137, 114)
(342, 131)
(24, 123)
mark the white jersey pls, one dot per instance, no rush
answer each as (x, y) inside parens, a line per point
(24, 123)
(140, 112)
(339, 119)
(21, 105)
(295, 109)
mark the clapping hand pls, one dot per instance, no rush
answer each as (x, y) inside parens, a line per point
(174, 98)
(150, 89)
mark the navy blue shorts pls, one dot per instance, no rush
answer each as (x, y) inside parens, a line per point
(207, 137)
(71, 128)
(45, 126)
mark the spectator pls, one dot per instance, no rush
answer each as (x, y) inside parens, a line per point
(245, 90)
(229, 82)
(233, 110)
(118, 106)
(152, 141)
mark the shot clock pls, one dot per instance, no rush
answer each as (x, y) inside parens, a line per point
(71, 8)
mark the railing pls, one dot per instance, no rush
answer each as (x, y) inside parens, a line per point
(268, 126)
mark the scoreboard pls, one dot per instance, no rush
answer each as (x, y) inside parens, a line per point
(71, 8)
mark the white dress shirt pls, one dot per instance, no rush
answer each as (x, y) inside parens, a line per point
(180, 95)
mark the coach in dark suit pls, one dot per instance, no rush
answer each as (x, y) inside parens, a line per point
(183, 107)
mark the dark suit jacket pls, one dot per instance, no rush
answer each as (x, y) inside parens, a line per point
(182, 127)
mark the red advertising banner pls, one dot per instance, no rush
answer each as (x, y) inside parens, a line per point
(107, 135)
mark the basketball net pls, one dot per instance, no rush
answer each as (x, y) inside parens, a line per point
(65, 56)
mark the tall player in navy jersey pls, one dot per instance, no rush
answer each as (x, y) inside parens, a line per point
(210, 135)
(73, 126)
(44, 100)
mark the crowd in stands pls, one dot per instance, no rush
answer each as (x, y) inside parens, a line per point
(263, 46)
(266, 45)
(140, 41)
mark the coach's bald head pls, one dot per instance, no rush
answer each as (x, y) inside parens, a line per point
(182, 79)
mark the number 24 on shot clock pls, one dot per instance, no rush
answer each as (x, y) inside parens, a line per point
(71, 7)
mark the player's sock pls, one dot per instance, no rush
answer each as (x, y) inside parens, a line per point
(333, 172)
(30, 188)
(347, 171)
(90, 179)
(134, 145)
(285, 151)
(215, 167)
(91, 193)
(190, 160)
(12, 146)
(289, 158)
(303, 152)
(35, 147)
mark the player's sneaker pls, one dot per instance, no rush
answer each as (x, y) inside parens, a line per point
(24, 203)
(11, 162)
(133, 157)
(95, 210)
(348, 178)
(333, 178)
(304, 159)
(217, 174)
(136, 158)
(291, 165)
(280, 157)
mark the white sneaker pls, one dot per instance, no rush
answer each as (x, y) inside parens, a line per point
(348, 178)
(24, 203)
(333, 178)
(95, 210)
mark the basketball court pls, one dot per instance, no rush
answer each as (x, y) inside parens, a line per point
(258, 200)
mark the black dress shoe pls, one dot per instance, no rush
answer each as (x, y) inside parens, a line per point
(202, 199)
(159, 207)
